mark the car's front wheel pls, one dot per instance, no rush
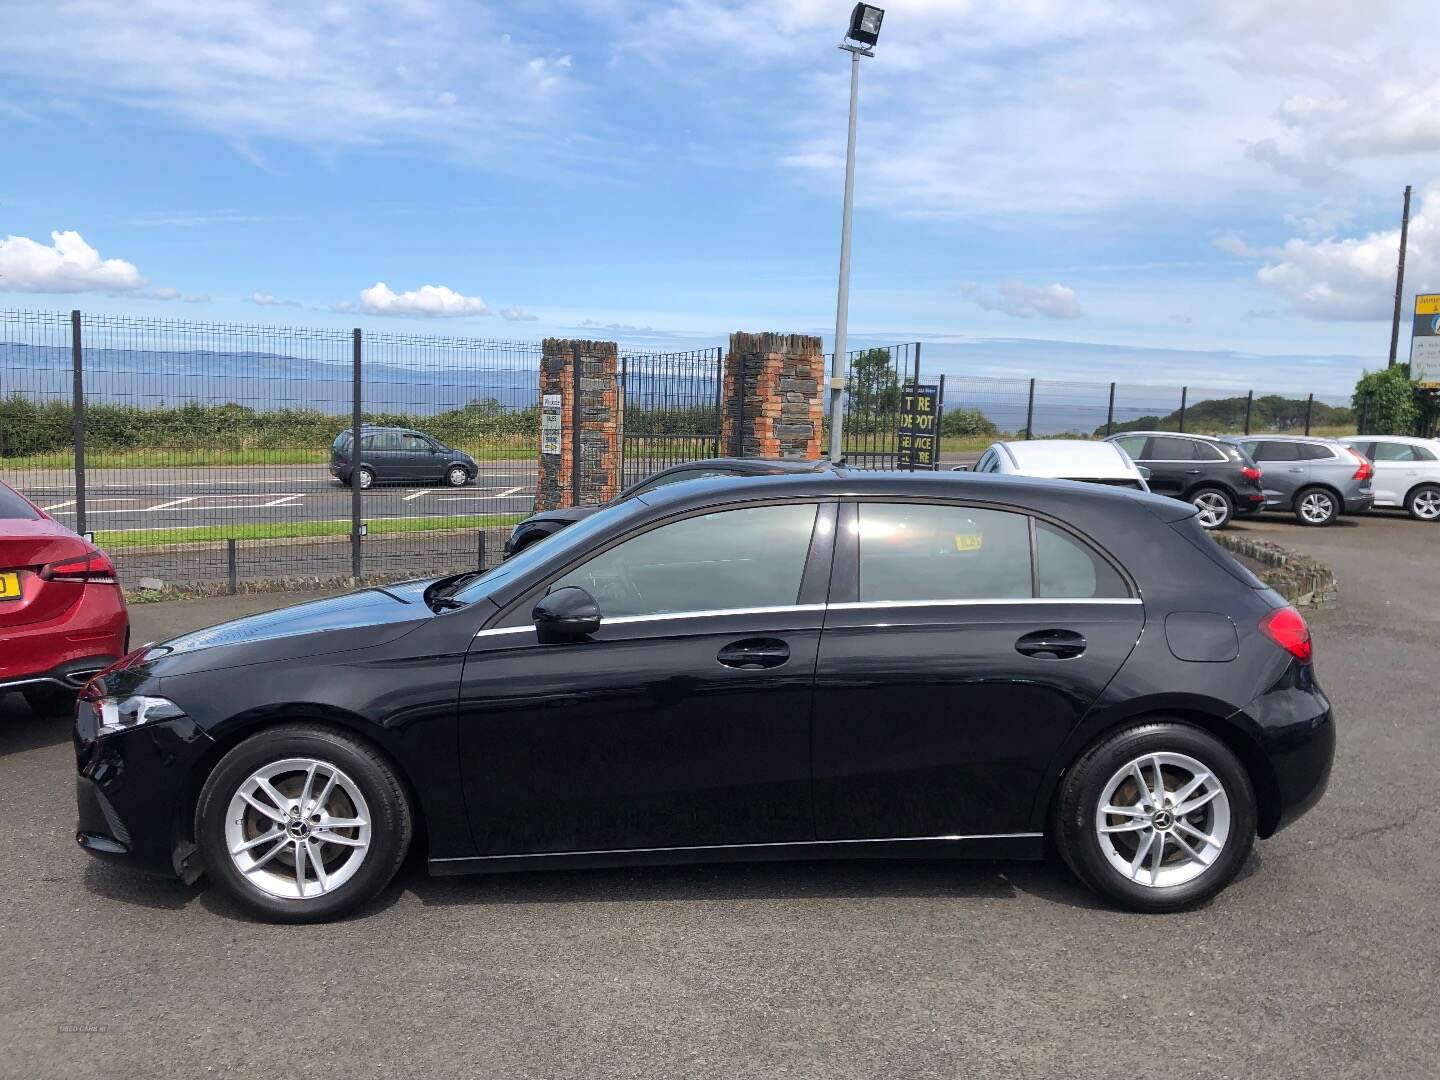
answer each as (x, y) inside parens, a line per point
(1215, 506)
(302, 822)
(1423, 504)
(457, 476)
(1156, 817)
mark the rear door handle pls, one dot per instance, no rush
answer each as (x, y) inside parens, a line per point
(751, 654)
(1297, 470)
(1051, 645)
(1193, 472)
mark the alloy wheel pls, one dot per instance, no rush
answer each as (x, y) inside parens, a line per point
(1214, 511)
(297, 828)
(1317, 507)
(1427, 504)
(1162, 819)
(366, 478)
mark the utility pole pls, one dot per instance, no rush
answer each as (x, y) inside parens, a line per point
(1400, 279)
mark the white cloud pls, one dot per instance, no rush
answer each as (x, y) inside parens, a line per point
(363, 73)
(68, 265)
(515, 314)
(196, 298)
(1354, 277)
(428, 301)
(265, 299)
(165, 293)
(1023, 301)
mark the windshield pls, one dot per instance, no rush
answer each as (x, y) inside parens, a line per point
(576, 537)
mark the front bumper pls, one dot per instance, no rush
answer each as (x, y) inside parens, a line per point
(134, 790)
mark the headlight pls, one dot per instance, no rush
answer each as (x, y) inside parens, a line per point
(121, 714)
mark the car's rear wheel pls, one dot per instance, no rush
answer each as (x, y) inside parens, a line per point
(1423, 504)
(457, 476)
(47, 699)
(365, 477)
(1316, 506)
(302, 822)
(1156, 817)
(1215, 506)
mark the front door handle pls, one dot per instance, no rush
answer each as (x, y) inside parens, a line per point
(751, 654)
(1193, 472)
(1051, 645)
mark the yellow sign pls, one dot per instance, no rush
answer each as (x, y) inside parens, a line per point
(969, 541)
(1427, 304)
(9, 586)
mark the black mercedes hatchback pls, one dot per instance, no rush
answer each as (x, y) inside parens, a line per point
(835, 664)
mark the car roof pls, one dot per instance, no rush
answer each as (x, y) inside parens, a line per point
(1063, 458)
(752, 465)
(1174, 434)
(1035, 491)
(1275, 437)
(1412, 440)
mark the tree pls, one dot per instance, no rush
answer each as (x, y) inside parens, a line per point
(963, 422)
(1386, 402)
(873, 392)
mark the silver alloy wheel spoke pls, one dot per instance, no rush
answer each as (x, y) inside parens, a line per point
(1141, 816)
(287, 811)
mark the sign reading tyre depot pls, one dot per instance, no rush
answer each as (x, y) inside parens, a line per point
(1425, 340)
(918, 441)
(550, 423)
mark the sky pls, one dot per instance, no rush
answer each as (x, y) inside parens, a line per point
(1079, 189)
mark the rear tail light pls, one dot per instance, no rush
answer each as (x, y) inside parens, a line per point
(1251, 473)
(93, 567)
(1366, 471)
(1286, 627)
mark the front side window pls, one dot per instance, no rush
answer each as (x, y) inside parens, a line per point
(913, 551)
(415, 443)
(752, 557)
(1134, 445)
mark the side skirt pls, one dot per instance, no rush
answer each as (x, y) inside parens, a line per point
(998, 846)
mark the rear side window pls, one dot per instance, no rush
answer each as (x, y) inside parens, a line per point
(1169, 448)
(13, 506)
(1205, 451)
(1068, 569)
(341, 443)
(1314, 452)
(922, 552)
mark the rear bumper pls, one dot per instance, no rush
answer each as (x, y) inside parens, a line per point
(1358, 504)
(1296, 731)
(69, 648)
(71, 674)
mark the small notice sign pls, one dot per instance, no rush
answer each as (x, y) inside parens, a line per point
(918, 446)
(550, 423)
(1425, 341)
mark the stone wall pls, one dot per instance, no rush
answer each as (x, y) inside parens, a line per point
(779, 407)
(586, 471)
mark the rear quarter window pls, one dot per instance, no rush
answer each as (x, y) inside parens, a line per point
(342, 441)
(13, 506)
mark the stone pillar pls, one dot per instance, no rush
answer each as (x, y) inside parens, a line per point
(580, 424)
(777, 409)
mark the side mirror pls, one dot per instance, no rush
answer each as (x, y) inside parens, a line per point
(960, 468)
(1143, 471)
(568, 614)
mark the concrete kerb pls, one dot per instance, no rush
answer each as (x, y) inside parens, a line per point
(1299, 578)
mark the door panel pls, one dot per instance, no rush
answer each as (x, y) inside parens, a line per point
(930, 722)
(641, 737)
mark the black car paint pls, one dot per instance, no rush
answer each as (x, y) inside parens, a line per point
(519, 754)
(1182, 479)
(549, 522)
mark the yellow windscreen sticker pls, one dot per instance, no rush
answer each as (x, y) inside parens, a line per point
(968, 541)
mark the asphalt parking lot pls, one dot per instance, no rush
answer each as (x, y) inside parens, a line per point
(1320, 961)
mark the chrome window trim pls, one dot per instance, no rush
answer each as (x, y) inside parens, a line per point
(711, 613)
(860, 605)
(773, 844)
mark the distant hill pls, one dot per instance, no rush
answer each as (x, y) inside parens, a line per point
(1227, 415)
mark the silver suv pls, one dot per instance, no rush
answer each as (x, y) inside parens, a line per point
(1407, 472)
(1316, 479)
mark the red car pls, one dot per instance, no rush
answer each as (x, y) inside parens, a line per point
(62, 615)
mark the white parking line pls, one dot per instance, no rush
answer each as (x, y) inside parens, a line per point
(472, 498)
(58, 506)
(415, 494)
(175, 502)
(509, 491)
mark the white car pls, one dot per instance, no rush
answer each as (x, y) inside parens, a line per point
(1407, 472)
(1064, 459)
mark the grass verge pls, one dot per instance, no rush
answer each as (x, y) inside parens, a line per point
(198, 534)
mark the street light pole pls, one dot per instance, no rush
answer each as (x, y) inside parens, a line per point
(842, 299)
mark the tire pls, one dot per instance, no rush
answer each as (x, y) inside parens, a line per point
(1316, 506)
(357, 860)
(47, 699)
(1423, 503)
(1113, 864)
(1215, 506)
(457, 476)
(365, 476)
